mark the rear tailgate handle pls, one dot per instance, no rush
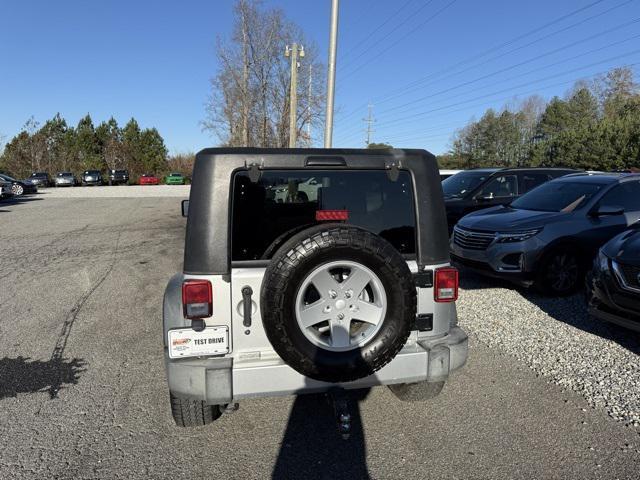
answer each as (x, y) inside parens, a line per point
(246, 305)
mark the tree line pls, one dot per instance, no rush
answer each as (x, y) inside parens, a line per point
(56, 146)
(596, 126)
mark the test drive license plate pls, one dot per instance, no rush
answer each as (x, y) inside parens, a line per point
(186, 342)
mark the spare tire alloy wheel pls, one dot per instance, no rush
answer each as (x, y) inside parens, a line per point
(341, 305)
(17, 189)
(338, 302)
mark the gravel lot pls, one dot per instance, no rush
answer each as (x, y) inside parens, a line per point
(83, 392)
(558, 339)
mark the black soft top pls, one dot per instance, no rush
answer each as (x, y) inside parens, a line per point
(207, 246)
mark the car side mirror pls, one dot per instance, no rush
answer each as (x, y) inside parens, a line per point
(185, 208)
(608, 210)
(485, 197)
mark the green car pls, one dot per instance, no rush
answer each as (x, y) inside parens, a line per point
(174, 179)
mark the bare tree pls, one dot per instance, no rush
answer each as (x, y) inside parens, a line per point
(249, 101)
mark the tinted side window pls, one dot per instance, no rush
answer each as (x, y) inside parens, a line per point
(500, 187)
(283, 202)
(625, 195)
(529, 181)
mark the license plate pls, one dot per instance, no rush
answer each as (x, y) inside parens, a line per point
(186, 342)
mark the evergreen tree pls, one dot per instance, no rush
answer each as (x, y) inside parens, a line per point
(87, 147)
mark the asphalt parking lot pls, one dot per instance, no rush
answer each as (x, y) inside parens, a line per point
(83, 393)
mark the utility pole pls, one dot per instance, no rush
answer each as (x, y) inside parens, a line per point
(309, 142)
(331, 74)
(369, 121)
(293, 53)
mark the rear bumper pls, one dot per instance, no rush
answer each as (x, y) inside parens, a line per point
(223, 380)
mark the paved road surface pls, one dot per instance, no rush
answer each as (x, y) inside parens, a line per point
(83, 395)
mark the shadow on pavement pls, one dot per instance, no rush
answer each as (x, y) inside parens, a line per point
(22, 375)
(9, 202)
(573, 311)
(312, 447)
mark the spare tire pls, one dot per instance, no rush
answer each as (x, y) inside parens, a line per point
(337, 302)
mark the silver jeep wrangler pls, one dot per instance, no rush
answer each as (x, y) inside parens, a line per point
(310, 270)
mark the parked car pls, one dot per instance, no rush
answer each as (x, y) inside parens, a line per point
(549, 236)
(66, 179)
(19, 187)
(117, 177)
(480, 188)
(613, 286)
(370, 285)
(174, 178)
(40, 179)
(92, 177)
(5, 189)
(148, 179)
(444, 174)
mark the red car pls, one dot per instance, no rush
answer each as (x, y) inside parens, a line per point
(148, 179)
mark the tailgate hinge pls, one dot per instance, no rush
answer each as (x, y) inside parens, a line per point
(255, 170)
(392, 167)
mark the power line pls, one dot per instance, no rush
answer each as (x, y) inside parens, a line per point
(564, 29)
(372, 32)
(537, 57)
(485, 53)
(573, 70)
(421, 114)
(529, 92)
(533, 59)
(389, 47)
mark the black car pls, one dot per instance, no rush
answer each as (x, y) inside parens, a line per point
(118, 177)
(549, 236)
(19, 187)
(480, 188)
(40, 179)
(92, 177)
(613, 287)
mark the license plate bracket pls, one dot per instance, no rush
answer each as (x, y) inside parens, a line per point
(187, 342)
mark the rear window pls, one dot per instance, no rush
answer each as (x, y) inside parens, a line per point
(284, 202)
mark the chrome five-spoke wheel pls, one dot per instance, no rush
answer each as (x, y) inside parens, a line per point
(341, 305)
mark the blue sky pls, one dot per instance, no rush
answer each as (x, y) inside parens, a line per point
(428, 66)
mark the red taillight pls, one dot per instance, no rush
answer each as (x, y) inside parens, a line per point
(332, 215)
(445, 286)
(197, 299)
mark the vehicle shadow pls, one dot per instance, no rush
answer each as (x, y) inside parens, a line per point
(23, 375)
(312, 447)
(8, 202)
(571, 310)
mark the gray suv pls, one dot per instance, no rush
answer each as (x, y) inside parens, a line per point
(310, 270)
(549, 237)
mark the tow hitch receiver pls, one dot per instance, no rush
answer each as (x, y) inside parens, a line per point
(339, 400)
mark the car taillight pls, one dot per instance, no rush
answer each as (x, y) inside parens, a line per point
(446, 285)
(197, 299)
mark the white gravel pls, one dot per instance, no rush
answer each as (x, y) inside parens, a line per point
(117, 191)
(558, 339)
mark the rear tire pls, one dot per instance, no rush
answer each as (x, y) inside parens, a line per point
(416, 392)
(192, 413)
